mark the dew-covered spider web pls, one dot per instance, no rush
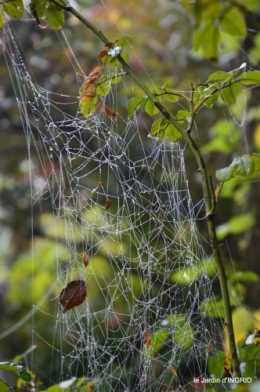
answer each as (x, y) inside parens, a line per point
(116, 212)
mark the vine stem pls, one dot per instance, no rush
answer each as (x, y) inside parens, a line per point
(208, 191)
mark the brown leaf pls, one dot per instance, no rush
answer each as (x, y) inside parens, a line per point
(108, 203)
(72, 295)
(109, 113)
(102, 54)
(96, 72)
(172, 369)
(148, 339)
(85, 258)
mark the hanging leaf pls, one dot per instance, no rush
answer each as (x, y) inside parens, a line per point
(230, 93)
(250, 77)
(133, 105)
(14, 8)
(170, 94)
(238, 224)
(211, 307)
(109, 113)
(170, 132)
(157, 341)
(123, 41)
(102, 54)
(215, 364)
(88, 107)
(19, 370)
(219, 76)
(148, 339)
(172, 369)
(54, 16)
(150, 107)
(37, 8)
(184, 335)
(233, 23)
(108, 203)
(207, 38)
(85, 258)
(244, 166)
(163, 128)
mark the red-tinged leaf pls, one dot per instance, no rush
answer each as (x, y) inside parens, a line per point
(108, 203)
(109, 113)
(85, 258)
(148, 339)
(102, 54)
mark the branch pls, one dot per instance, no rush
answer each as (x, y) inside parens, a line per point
(206, 185)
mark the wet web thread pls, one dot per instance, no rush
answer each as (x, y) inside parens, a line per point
(108, 189)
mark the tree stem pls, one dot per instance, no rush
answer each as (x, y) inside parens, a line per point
(208, 192)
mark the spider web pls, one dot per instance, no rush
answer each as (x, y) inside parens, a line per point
(108, 189)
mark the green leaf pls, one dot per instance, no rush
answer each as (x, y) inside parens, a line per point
(14, 8)
(213, 308)
(113, 77)
(207, 38)
(17, 369)
(224, 136)
(243, 276)
(54, 16)
(189, 275)
(38, 7)
(3, 386)
(123, 41)
(157, 340)
(249, 352)
(156, 128)
(212, 98)
(182, 116)
(230, 93)
(250, 77)
(133, 105)
(233, 23)
(184, 335)
(244, 166)
(170, 94)
(171, 133)
(216, 364)
(163, 128)
(124, 56)
(89, 107)
(150, 107)
(103, 87)
(219, 76)
(236, 225)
